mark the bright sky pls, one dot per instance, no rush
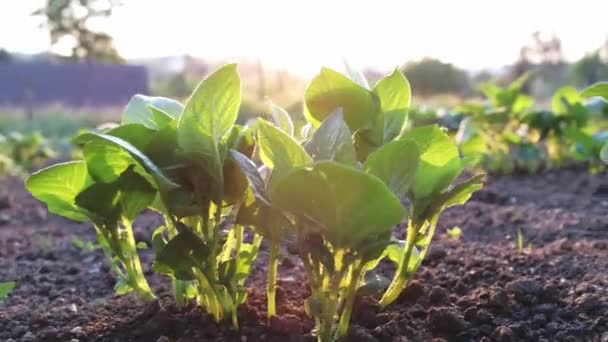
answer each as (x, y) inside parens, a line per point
(303, 35)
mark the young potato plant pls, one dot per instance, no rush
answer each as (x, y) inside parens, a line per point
(175, 159)
(494, 136)
(341, 189)
(20, 153)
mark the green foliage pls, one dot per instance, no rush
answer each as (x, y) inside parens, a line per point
(597, 89)
(6, 288)
(431, 76)
(508, 135)
(20, 153)
(193, 164)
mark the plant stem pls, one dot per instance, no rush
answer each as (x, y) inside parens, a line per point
(133, 266)
(350, 295)
(272, 278)
(401, 275)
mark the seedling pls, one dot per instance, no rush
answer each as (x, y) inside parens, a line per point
(520, 243)
(174, 159)
(87, 246)
(358, 139)
(6, 288)
(455, 233)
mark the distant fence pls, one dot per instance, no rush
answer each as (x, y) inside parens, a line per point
(72, 85)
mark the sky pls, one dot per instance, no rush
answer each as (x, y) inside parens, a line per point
(301, 36)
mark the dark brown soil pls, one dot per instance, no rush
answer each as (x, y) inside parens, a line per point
(480, 288)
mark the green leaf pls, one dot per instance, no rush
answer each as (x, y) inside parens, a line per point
(461, 193)
(161, 117)
(106, 161)
(604, 153)
(278, 150)
(181, 254)
(439, 161)
(251, 172)
(164, 183)
(330, 90)
(563, 97)
(124, 198)
(6, 288)
(138, 110)
(333, 141)
(395, 95)
(58, 186)
(337, 197)
(281, 119)
(212, 109)
(597, 89)
(395, 164)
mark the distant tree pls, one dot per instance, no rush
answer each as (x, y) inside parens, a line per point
(544, 56)
(590, 69)
(70, 18)
(431, 76)
(5, 56)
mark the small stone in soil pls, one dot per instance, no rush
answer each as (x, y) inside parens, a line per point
(413, 292)
(438, 295)
(503, 334)
(445, 320)
(525, 291)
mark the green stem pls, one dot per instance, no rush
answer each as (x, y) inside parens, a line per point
(400, 279)
(212, 300)
(133, 266)
(180, 287)
(272, 278)
(351, 294)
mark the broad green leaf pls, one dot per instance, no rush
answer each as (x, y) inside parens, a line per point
(106, 161)
(208, 115)
(461, 193)
(213, 107)
(568, 94)
(250, 170)
(58, 186)
(597, 89)
(333, 141)
(138, 110)
(337, 197)
(395, 164)
(164, 183)
(125, 198)
(330, 90)
(278, 150)
(395, 95)
(439, 161)
(6, 288)
(281, 118)
(161, 118)
(182, 253)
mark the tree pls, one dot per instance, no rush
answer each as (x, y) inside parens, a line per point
(431, 76)
(5, 56)
(70, 18)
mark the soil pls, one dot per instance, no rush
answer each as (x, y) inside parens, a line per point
(478, 288)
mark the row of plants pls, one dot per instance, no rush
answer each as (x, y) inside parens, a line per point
(20, 153)
(506, 133)
(342, 185)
